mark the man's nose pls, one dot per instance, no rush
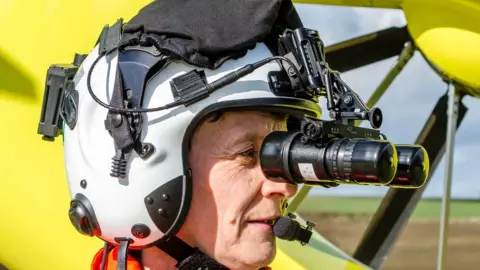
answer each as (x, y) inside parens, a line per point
(279, 188)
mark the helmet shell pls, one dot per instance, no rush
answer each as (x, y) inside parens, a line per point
(154, 198)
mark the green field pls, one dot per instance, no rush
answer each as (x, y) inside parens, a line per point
(426, 208)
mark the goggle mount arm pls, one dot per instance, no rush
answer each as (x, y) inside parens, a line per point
(306, 50)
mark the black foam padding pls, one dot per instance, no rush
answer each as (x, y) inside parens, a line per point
(285, 228)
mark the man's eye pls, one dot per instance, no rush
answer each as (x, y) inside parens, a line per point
(248, 153)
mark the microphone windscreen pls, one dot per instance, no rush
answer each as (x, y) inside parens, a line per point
(284, 228)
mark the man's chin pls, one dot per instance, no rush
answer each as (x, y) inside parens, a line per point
(261, 255)
(252, 256)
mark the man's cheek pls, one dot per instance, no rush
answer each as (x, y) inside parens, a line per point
(228, 177)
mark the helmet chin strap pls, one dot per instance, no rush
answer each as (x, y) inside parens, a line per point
(186, 256)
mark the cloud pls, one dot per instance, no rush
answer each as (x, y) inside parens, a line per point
(407, 103)
(333, 23)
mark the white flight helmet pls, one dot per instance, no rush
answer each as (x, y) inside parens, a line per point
(153, 198)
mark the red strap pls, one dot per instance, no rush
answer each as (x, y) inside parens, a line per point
(111, 261)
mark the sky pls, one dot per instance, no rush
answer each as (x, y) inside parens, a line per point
(407, 103)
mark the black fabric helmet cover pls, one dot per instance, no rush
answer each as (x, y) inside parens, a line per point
(205, 33)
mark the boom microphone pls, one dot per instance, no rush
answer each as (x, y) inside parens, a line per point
(287, 228)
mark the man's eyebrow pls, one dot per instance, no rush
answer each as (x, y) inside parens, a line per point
(254, 134)
(245, 136)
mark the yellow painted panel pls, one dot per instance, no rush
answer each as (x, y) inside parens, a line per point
(284, 262)
(35, 232)
(448, 33)
(312, 258)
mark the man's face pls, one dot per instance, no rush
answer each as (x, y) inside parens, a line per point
(231, 196)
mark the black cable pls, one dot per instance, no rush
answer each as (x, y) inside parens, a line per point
(225, 80)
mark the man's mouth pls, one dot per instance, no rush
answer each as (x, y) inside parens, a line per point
(264, 221)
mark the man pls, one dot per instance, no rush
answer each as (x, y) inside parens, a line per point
(231, 196)
(185, 188)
